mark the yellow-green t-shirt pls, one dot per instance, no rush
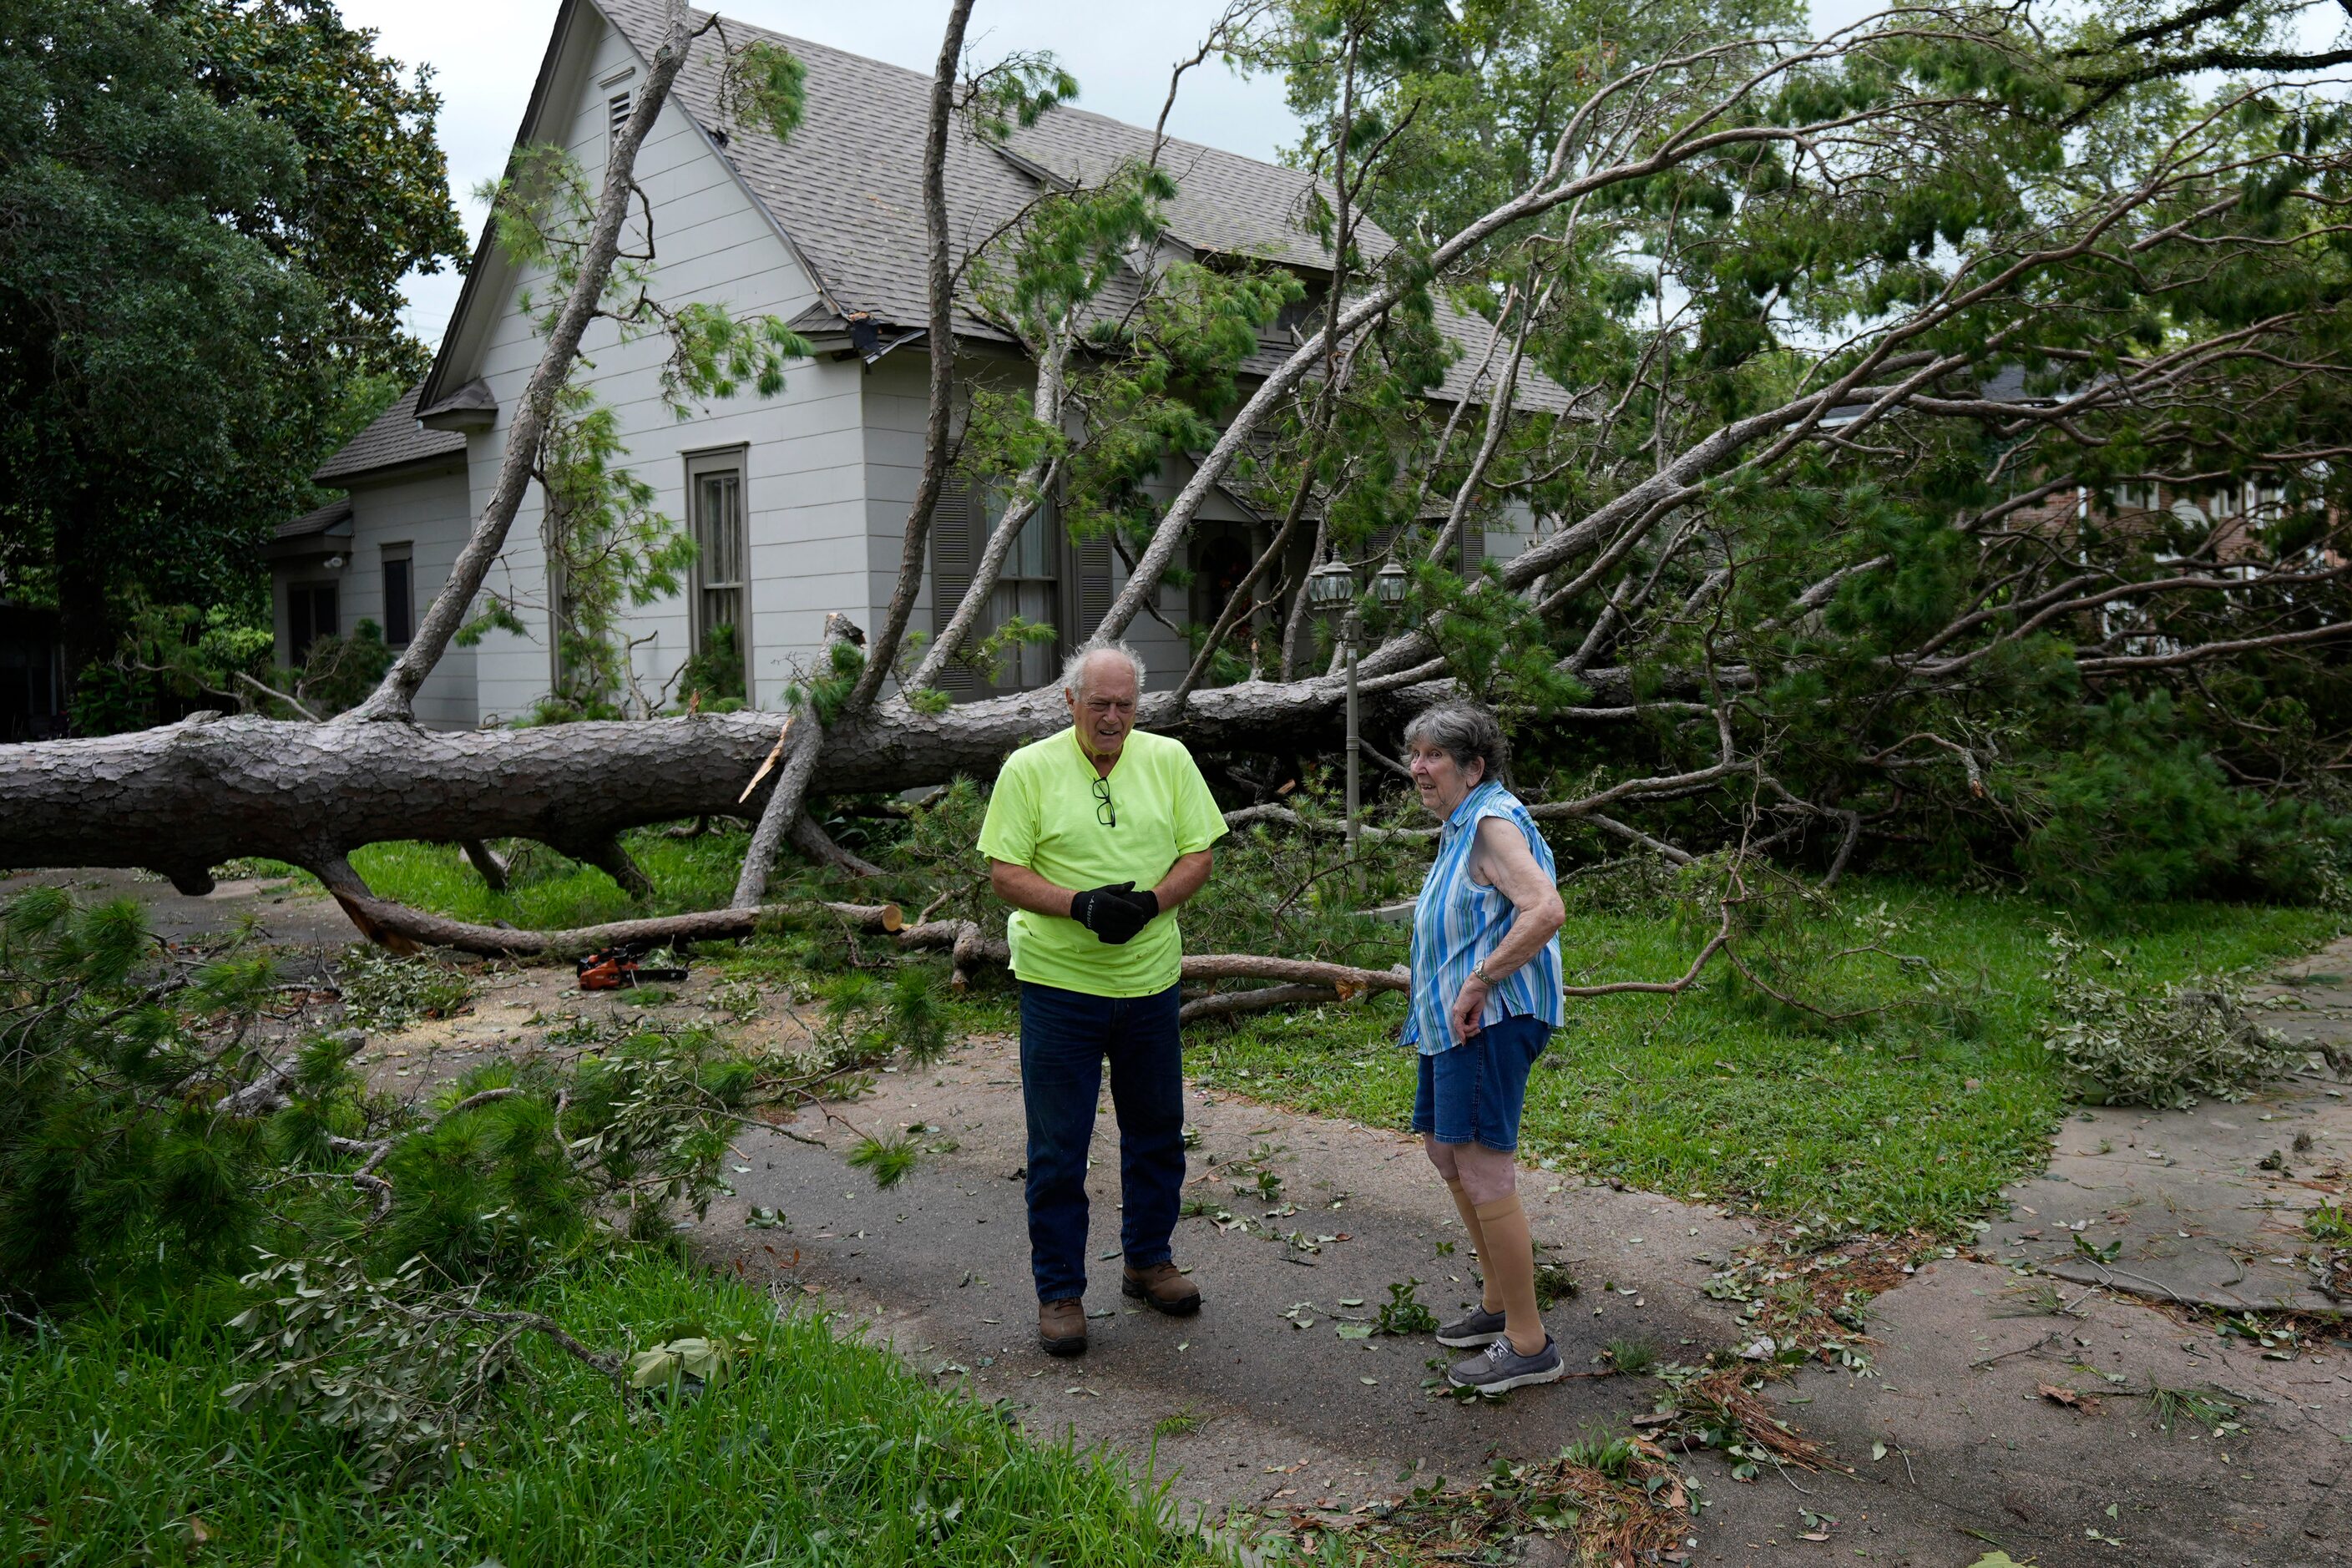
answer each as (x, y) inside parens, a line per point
(1044, 814)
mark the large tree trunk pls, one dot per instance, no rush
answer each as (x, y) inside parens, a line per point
(184, 798)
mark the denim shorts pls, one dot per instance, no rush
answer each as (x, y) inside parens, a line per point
(1476, 1090)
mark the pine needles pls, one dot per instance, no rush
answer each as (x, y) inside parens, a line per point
(888, 1161)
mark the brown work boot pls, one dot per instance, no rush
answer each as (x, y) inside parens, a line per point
(1062, 1327)
(1161, 1289)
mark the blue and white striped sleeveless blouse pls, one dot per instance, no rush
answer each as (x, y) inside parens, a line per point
(1456, 922)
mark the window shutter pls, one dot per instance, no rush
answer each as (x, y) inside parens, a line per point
(955, 552)
(1092, 600)
(1474, 547)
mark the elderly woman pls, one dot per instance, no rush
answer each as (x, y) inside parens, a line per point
(1485, 998)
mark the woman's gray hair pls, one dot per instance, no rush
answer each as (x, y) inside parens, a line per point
(1073, 670)
(1464, 731)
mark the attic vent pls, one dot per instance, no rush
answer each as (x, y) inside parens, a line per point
(616, 114)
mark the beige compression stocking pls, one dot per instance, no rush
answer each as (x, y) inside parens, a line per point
(1509, 1254)
(1488, 1301)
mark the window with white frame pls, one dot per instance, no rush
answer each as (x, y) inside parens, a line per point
(722, 629)
(1029, 587)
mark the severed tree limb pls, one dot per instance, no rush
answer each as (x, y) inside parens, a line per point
(1345, 978)
(968, 946)
(1657, 846)
(408, 929)
(608, 855)
(1029, 493)
(485, 860)
(971, 946)
(1851, 836)
(797, 747)
(1714, 944)
(1499, 414)
(268, 1091)
(1257, 999)
(811, 839)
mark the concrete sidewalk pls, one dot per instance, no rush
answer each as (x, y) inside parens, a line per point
(1291, 1415)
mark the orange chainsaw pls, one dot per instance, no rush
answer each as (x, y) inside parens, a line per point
(620, 967)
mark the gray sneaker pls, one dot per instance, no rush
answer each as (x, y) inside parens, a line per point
(1480, 1327)
(1500, 1369)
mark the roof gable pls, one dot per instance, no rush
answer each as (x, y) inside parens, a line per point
(393, 440)
(847, 190)
(847, 187)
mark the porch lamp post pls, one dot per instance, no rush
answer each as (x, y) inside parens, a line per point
(1331, 591)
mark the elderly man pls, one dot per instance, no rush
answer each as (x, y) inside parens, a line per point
(1094, 836)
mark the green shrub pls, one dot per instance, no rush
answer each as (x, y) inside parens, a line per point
(715, 673)
(338, 672)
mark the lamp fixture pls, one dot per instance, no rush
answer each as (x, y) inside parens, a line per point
(1389, 582)
(1332, 586)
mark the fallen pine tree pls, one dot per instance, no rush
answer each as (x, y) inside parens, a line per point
(1772, 597)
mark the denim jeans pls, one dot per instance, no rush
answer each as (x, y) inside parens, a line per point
(1065, 1037)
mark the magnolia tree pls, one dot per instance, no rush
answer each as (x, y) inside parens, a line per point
(1942, 457)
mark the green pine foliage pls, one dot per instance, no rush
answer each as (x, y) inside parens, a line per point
(174, 1147)
(155, 1125)
(106, 1164)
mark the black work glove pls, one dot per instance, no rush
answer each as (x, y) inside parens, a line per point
(1115, 912)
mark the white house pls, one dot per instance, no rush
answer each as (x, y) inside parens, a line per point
(798, 502)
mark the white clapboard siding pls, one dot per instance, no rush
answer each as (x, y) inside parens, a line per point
(429, 516)
(802, 460)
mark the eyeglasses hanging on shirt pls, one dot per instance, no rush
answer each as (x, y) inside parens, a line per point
(1105, 813)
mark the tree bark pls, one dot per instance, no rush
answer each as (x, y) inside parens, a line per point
(185, 797)
(418, 928)
(485, 860)
(942, 348)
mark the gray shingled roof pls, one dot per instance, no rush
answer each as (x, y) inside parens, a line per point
(325, 520)
(847, 190)
(395, 438)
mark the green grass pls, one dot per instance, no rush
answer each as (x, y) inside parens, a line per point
(823, 1453)
(1914, 1119)
(548, 891)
